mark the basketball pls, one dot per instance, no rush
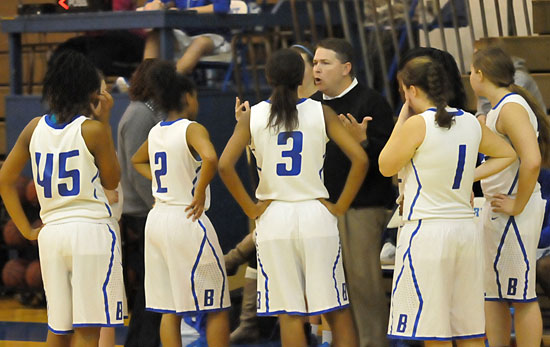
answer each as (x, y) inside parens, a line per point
(21, 186)
(12, 237)
(13, 273)
(33, 276)
(30, 193)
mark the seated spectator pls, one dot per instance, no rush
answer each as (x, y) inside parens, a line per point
(192, 45)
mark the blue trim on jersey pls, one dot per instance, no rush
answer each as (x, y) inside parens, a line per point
(499, 249)
(514, 183)
(60, 332)
(305, 314)
(95, 195)
(417, 191)
(52, 121)
(165, 123)
(197, 170)
(501, 100)
(511, 300)
(217, 260)
(434, 338)
(524, 257)
(266, 279)
(259, 168)
(105, 298)
(193, 273)
(297, 103)
(456, 113)
(334, 274)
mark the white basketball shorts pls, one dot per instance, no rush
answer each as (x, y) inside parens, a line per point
(82, 271)
(437, 291)
(184, 266)
(299, 260)
(510, 245)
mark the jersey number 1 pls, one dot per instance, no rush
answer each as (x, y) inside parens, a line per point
(295, 153)
(460, 166)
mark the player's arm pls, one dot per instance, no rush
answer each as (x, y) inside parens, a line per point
(514, 122)
(226, 168)
(403, 142)
(199, 140)
(500, 154)
(359, 162)
(96, 136)
(9, 173)
(140, 160)
(99, 140)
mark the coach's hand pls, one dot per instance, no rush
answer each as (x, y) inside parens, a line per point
(357, 130)
(332, 208)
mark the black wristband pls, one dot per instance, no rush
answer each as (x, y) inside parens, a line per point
(364, 143)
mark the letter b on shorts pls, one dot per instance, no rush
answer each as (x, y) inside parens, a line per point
(402, 324)
(512, 286)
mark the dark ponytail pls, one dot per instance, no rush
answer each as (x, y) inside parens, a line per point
(498, 67)
(168, 86)
(284, 72)
(428, 75)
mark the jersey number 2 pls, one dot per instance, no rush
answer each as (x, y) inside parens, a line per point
(295, 153)
(460, 166)
(160, 157)
(46, 180)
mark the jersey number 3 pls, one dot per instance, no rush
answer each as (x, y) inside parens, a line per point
(295, 153)
(46, 180)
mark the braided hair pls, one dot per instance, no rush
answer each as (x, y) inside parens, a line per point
(429, 76)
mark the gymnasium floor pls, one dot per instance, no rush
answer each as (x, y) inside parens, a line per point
(22, 326)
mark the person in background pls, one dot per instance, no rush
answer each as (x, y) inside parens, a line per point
(191, 45)
(522, 78)
(140, 116)
(361, 227)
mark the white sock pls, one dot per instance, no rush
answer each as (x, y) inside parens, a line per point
(327, 336)
(314, 329)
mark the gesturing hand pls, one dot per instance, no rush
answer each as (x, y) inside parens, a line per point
(357, 130)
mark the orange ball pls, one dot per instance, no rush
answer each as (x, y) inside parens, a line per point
(33, 275)
(12, 236)
(13, 273)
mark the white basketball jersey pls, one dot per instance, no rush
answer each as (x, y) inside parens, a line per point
(64, 172)
(438, 180)
(174, 169)
(505, 181)
(290, 164)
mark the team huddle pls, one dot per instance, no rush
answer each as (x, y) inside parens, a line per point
(452, 281)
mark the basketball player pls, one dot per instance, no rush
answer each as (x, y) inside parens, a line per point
(298, 251)
(514, 208)
(184, 267)
(437, 293)
(72, 157)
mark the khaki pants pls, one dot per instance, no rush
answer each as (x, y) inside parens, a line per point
(360, 234)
